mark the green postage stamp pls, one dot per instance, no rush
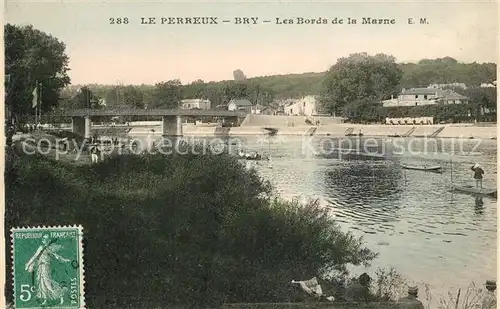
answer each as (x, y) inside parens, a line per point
(48, 267)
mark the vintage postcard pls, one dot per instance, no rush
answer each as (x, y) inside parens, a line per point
(250, 154)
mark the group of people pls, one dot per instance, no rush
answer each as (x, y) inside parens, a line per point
(359, 291)
(30, 127)
(250, 156)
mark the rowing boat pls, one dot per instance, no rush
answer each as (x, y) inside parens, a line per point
(476, 191)
(434, 168)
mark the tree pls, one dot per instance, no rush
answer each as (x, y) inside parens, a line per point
(364, 111)
(167, 94)
(85, 99)
(235, 91)
(359, 77)
(179, 230)
(133, 97)
(31, 57)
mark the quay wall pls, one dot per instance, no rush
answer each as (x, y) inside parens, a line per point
(332, 130)
(286, 121)
(282, 124)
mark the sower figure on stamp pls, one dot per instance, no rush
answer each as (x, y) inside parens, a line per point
(47, 290)
(478, 175)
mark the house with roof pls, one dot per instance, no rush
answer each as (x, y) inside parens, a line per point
(305, 106)
(240, 105)
(257, 109)
(195, 104)
(426, 96)
(269, 111)
(453, 85)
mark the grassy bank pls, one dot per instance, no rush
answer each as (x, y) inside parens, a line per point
(186, 230)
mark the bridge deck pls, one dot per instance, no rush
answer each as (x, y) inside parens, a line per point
(152, 112)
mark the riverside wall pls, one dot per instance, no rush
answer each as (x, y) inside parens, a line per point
(449, 131)
(328, 126)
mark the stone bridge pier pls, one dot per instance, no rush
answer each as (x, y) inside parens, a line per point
(172, 128)
(81, 126)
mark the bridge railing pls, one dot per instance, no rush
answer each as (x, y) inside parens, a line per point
(150, 112)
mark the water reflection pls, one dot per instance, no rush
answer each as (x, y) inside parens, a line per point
(479, 205)
(418, 226)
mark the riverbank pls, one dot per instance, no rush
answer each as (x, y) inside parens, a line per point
(365, 201)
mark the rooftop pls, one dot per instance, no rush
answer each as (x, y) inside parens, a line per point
(419, 91)
(241, 102)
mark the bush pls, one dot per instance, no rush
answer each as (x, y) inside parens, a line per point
(168, 230)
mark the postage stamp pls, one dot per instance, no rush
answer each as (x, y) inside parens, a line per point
(48, 267)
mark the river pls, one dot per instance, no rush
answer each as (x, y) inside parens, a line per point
(411, 218)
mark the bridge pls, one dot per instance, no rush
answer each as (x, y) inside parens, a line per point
(152, 112)
(171, 118)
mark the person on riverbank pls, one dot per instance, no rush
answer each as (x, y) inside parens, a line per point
(94, 154)
(490, 299)
(359, 289)
(478, 175)
(411, 301)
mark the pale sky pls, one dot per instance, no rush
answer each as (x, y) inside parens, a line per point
(103, 53)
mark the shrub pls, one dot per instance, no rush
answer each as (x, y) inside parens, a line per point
(168, 230)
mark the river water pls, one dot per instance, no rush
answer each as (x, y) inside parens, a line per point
(411, 218)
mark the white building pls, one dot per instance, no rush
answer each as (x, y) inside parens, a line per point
(302, 107)
(257, 109)
(488, 85)
(195, 103)
(425, 96)
(453, 85)
(240, 105)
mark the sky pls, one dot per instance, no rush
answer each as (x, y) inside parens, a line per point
(137, 53)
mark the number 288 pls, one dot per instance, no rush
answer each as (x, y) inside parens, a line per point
(118, 21)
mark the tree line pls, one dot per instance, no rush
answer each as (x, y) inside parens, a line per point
(353, 87)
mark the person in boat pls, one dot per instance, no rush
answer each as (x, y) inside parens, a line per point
(478, 175)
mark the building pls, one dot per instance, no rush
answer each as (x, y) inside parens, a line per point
(426, 96)
(240, 105)
(257, 109)
(269, 111)
(488, 85)
(195, 103)
(302, 107)
(453, 85)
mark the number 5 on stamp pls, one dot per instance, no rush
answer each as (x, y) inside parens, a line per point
(48, 267)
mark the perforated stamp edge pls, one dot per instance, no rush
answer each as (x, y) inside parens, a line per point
(79, 228)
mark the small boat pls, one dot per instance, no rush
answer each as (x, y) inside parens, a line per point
(271, 131)
(476, 191)
(433, 168)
